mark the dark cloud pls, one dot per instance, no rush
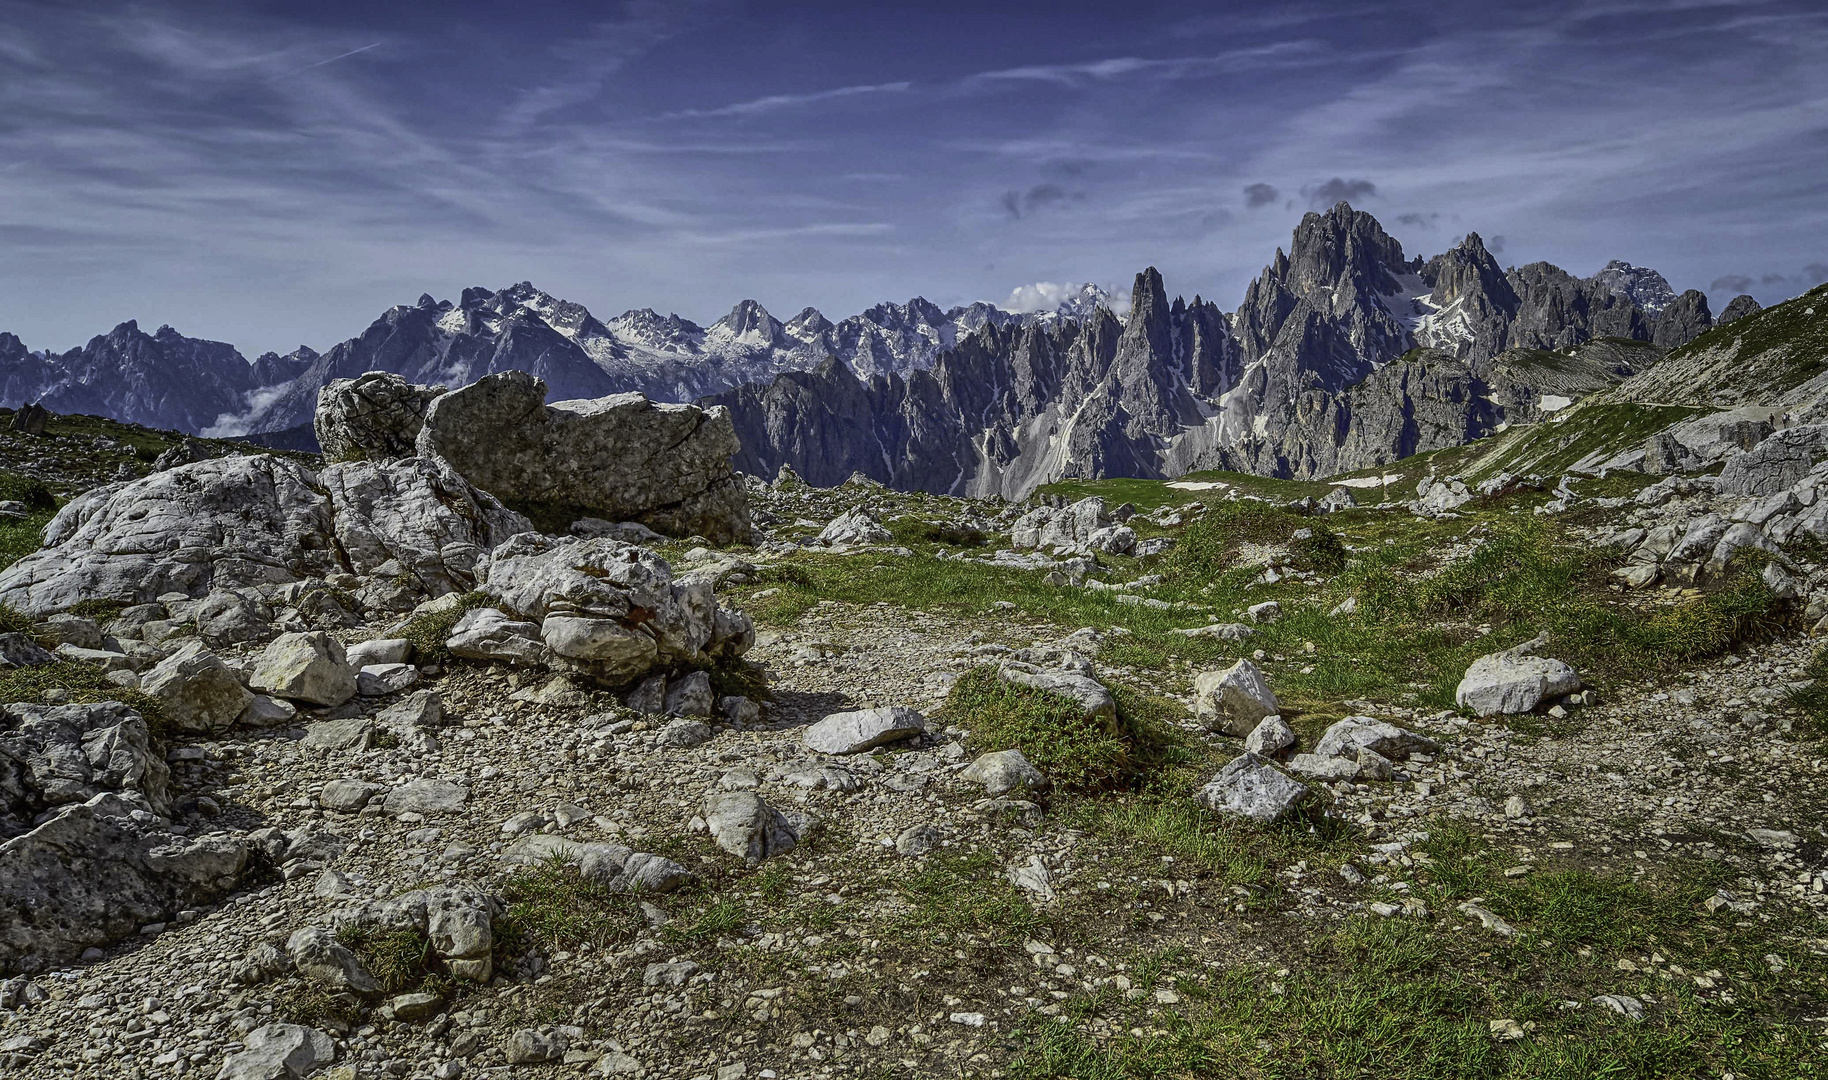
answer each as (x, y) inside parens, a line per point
(1338, 190)
(1418, 221)
(1815, 273)
(1257, 195)
(1774, 279)
(1733, 283)
(1019, 204)
(1495, 244)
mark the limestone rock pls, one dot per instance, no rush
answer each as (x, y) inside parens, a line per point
(378, 651)
(1093, 697)
(1270, 737)
(309, 667)
(97, 871)
(457, 918)
(51, 755)
(320, 958)
(19, 650)
(1514, 680)
(620, 458)
(611, 610)
(747, 827)
(416, 522)
(615, 867)
(196, 690)
(228, 523)
(426, 797)
(1234, 700)
(863, 729)
(490, 634)
(279, 1052)
(1354, 733)
(1251, 787)
(1002, 772)
(375, 416)
(691, 695)
(853, 527)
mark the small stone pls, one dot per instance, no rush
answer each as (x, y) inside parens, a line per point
(863, 729)
(1004, 771)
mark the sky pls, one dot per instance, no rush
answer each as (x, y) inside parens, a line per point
(274, 174)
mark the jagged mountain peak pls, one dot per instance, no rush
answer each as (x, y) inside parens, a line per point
(1640, 284)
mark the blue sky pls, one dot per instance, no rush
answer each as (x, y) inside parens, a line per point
(276, 173)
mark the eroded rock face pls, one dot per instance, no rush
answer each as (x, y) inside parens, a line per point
(606, 608)
(98, 871)
(416, 517)
(376, 416)
(227, 523)
(54, 755)
(621, 457)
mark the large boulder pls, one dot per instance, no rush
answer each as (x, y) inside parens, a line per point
(1345, 738)
(1515, 680)
(96, 872)
(863, 729)
(309, 667)
(196, 690)
(234, 524)
(375, 416)
(222, 524)
(416, 520)
(1250, 787)
(52, 755)
(611, 610)
(621, 457)
(1234, 700)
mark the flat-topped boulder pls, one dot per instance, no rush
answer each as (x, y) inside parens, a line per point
(620, 458)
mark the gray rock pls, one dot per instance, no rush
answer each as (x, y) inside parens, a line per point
(228, 618)
(1347, 737)
(419, 709)
(648, 696)
(416, 523)
(426, 797)
(321, 959)
(329, 736)
(1776, 463)
(1002, 772)
(690, 695)
(491, 634)
(75, 630)
(1514, 680)
(613, 866)
(264, 711)
(374, 416)
(747, 827)
(196, 690)
(308, 667)
(669, 974)
(1233, 700)
(863, 729)
(738, 711)
(18, 650)
(916, 840)
(1251, 787)
(279, 1052)
(1093, 697)
(93, 874)
(853, 527)
(532, 1047)
(684, 733)
(379, 680)
(347, 795)
(1270, 737)
(614, 610)
(51, 755)
(621, 458)
(456, 918)
(378, 651)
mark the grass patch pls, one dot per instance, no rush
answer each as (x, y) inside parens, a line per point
(552, 906)
(400, 960)
(1075, 751)
(964, 895)
(428, 632)
(85, 683)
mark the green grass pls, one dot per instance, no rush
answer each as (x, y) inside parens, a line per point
(963, 896)
(1404, 998)
(401, 961)
(429, 632)
(1075, 751)
(552, 906)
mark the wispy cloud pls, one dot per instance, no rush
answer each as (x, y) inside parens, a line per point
(1281, 53)
(332, 60)
(777, 102)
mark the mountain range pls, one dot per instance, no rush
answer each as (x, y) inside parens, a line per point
(1343, 353)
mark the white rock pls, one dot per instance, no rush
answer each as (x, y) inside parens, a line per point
(1251, 787)
(745, 826)
(863, 729)
(1347, 737)
(1270, 737)
(279, 1052)
(196, 690)
(309, 667)
(1515, 680)
(1234, 700)
(1002, 772)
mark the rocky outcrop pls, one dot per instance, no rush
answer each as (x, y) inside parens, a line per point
(621, 457)
(605, 608)
(1738, 308)
(52, 756)
(376, 415)
(96, 872)
(1683, 321)
(413, 528)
